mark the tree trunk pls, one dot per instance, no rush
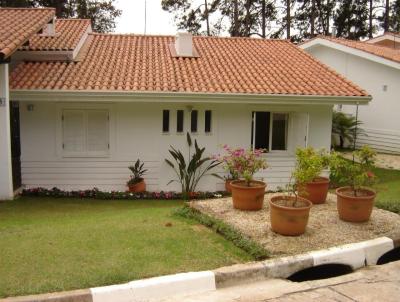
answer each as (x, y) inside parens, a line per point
(341, 143)
(288, 19)
(312, 18)
(263, 19)
(370, 19)
(207, 18)
(235, 18)
(386, 23)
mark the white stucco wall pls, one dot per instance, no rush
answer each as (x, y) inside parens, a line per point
(6, 184)
(381, 117)
(136, 132)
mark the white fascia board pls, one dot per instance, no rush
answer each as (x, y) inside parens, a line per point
(349, 50)
(182, 97)
(384, 37)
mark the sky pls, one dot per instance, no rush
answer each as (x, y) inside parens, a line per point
(132, 18)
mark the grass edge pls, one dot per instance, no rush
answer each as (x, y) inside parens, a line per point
(240, 240)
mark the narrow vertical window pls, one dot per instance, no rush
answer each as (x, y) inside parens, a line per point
(179, 121)
(193, 121)
(165, 122)
(207, 122)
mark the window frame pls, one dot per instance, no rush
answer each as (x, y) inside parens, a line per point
(270, 150)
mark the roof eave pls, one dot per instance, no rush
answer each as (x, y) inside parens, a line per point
(182, 97)
(351, 50)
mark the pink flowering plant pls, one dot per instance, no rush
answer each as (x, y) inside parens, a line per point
(242, 163)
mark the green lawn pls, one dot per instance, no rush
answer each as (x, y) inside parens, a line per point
(62, 244)
(388, 189)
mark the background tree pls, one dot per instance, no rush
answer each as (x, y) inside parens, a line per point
(351, 19)
(394, 16)
(102, 12)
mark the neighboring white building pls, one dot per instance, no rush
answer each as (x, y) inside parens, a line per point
(375, 66)
(88, 109)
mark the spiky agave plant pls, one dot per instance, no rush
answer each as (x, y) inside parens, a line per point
(190, 170)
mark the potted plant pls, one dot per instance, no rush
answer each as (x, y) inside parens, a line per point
(247, 193)
(228, 165)
(136, 182)
(309, 165)
(191, 169)
(356, 200)
(289, 213)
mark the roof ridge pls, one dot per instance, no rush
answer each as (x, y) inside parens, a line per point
(72, 19)
(194, 36)
(27, 8)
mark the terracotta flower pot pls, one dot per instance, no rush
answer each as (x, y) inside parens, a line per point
(137, 187)
(228, 187)
(315, 191)
(289, 220)
(248, 198)
(355, 208)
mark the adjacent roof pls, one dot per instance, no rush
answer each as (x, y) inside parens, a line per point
(68, 34)
(381, 51)
(19, 24)
(225, 65)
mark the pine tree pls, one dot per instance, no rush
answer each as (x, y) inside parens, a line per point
(394, 18)
(351, 19)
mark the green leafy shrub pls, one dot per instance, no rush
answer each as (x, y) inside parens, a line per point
(356, 174)
(228, 232)
(309, 164)
(190, 173)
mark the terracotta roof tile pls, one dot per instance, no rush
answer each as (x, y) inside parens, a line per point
(384, 52)
(19, 24)
(226, 65)
(68, 34)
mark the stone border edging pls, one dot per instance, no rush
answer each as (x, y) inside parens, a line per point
(355, 255)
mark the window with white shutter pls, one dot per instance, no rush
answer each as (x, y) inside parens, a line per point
(85, 132)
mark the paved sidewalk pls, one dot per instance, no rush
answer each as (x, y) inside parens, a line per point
(370, 284)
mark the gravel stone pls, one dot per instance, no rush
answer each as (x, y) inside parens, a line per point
(324, 229)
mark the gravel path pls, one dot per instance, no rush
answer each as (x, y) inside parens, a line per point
(324, 230)
(385, 161)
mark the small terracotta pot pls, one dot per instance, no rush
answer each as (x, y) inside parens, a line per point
(315, 191)
(248, 198)
(137, 187)
(228, 187)
(355, 208)
(286, 220)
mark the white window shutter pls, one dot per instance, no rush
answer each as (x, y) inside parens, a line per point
(97, 132)
(74, 139)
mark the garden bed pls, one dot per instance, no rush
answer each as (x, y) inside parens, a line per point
(324, 230)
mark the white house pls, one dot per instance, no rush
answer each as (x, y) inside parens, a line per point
(91, 105)
(375, 66)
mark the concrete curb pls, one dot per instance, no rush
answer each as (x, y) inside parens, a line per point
(355, 255)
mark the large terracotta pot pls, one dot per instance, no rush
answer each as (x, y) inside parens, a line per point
(286, 219)
(137, 187)
(248, 198)
(355, 208)
(315, 191)
(228, 187)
